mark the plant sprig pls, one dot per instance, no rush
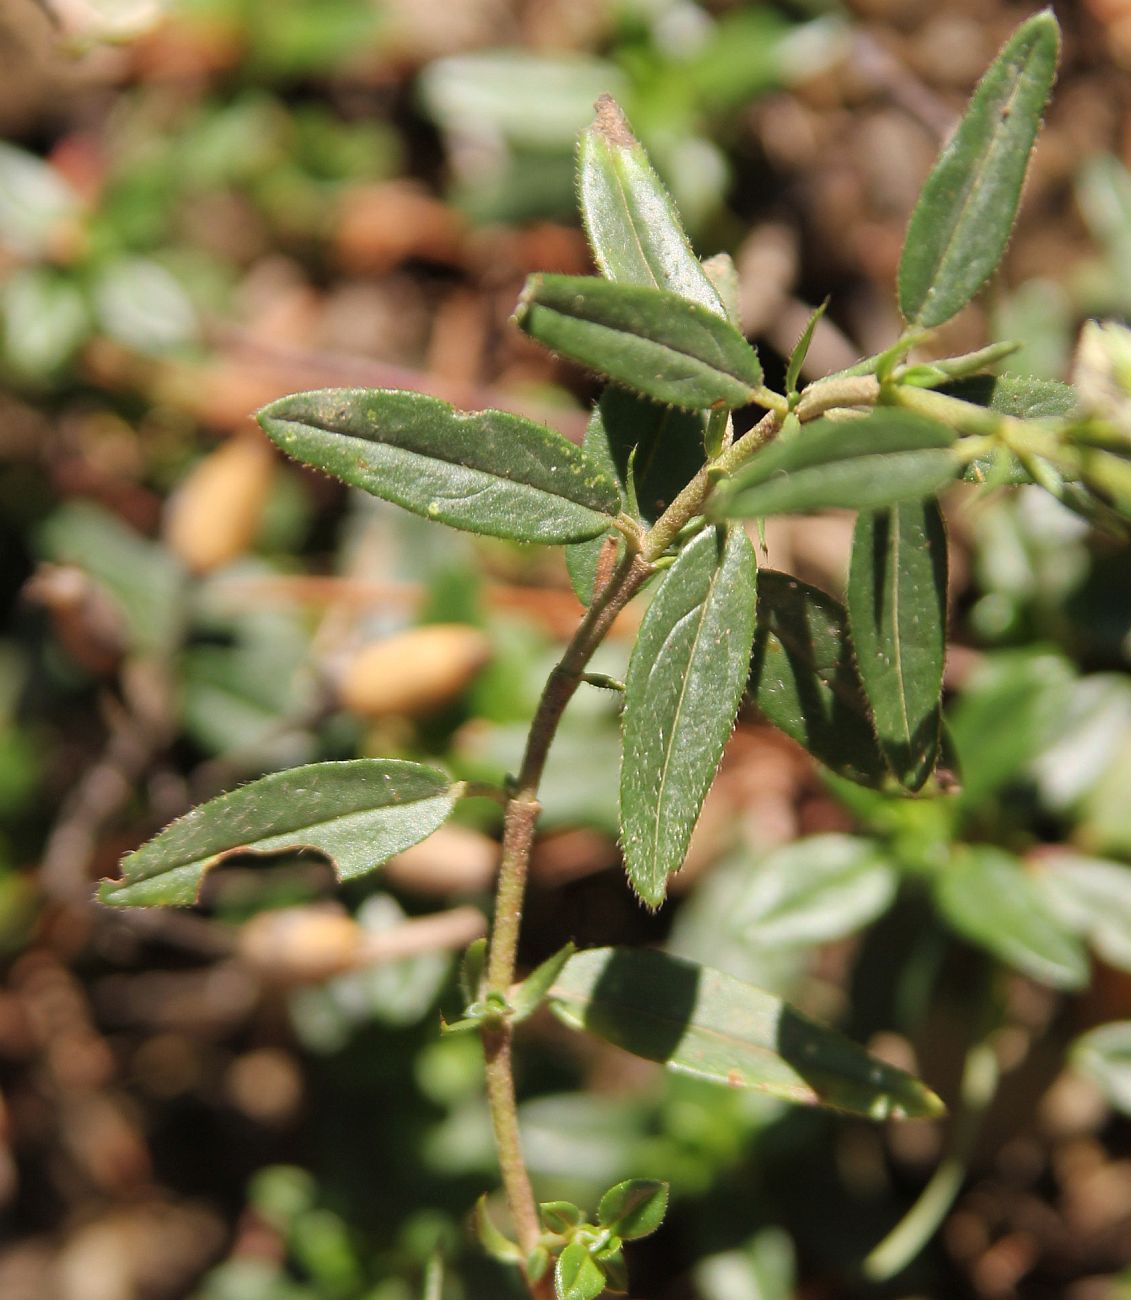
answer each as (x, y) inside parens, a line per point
(658, 496)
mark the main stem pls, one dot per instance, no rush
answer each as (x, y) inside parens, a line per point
(518, 836)
(523, 807)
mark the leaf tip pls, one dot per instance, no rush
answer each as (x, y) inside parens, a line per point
(526, 299)
(650, 899)
(932, 1106)
(106, 891)
(1044, 20)
(611, 122)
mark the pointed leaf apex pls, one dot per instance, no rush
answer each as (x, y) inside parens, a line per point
(611, 122)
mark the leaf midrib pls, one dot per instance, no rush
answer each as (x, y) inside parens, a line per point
(669, 748)
(897, 630)
(712, 367)
(251, 846)
(395, 451)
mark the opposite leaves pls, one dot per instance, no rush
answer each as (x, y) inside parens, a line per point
(684, 683)
(966, 210)
(655, 342)
(358, 813)
(487, 471)
(897, 611)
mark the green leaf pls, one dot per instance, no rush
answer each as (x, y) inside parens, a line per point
(1025, 396)
(930, 374)
(44, 319)
(559, 1216)
(537, 1262)
(684, 683)
(858, 464)
(577, 1275)
(1104, 1055)
(801, 348)
(897, 611)
(764, 1269)
(804, 680)
(819, 888)
(140, 303)
(723, 274)
(1093, 897)
(966, 210)
(485, 471)
(650, 451)
(527, 998)
(632, 223)
(357, 813)
(471, 971)
(988, 897)
(36, 203)
(1007, 713)
(1109, 476)
(532, 100)
(652, 341)
(489, 1236)
(611, 1259)
(634, 1208)
(700, 1022)
(143, 578)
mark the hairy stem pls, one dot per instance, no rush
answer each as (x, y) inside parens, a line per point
(691, 500)
(518, 837)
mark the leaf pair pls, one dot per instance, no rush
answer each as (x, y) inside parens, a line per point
(863, 707)
(657, 323)
(887, 465)
(868, 703)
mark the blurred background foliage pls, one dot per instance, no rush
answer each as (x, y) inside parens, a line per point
(205, 204)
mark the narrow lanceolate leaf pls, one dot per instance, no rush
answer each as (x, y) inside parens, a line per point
(704, 1023)
(487, 471)
(897, 612)
(357, 813)
(527, 998)
(804, 680)
(656, 343)
(632, 224)
(685, 679)
(966, 210)
(801, 348)
(652, 452)
(887, 456)
(988, 897)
